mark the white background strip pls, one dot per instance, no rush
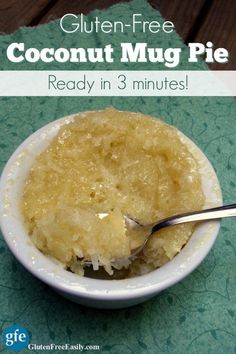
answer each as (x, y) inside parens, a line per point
(117, 83)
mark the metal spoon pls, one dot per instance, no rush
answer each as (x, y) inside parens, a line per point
(148, 230)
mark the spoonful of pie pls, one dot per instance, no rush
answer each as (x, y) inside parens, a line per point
(143, 233)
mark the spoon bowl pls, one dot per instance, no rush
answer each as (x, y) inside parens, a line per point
(145, 232)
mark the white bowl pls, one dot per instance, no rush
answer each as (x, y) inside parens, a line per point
(87, 291)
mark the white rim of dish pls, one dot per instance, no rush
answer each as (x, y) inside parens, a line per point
(52, 272)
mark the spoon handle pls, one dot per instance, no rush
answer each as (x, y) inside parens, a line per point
(207, 214)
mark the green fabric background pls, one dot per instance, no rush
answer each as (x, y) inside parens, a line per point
(196, 316)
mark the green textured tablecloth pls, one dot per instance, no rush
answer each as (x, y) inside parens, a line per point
(196, 316)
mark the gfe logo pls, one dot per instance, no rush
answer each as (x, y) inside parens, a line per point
(15, 338)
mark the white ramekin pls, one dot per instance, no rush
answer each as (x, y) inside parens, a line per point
(87, 291)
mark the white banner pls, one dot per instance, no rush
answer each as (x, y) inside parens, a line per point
(117, 83)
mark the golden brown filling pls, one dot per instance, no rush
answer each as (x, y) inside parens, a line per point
(117, 163)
